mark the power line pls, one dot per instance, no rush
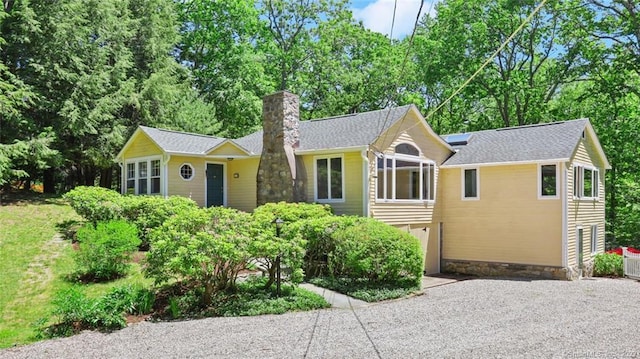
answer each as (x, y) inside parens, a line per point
(495, 53)
(393, 20)
(402, 69)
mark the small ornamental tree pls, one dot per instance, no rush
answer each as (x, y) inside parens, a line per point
(206, 248)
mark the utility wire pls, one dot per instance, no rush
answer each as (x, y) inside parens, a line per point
(402, 69)
(393, 20)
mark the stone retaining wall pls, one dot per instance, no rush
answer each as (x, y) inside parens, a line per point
(515, 270)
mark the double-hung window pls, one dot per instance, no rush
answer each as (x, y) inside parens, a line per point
(405, 176)
(143, 176)
(470, 184)
(329, 185)
(585, 182)
(548, 181)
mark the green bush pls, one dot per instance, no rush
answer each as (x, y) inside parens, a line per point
(95, 204)
(318, 232)
(289, 212)
(149, 212)
(375, 251)
(608, 265)
(104, 251)
(290, 246)
(201, 247)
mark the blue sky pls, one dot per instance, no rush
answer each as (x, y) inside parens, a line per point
(377, 15)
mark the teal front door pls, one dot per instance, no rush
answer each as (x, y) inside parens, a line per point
(215, 184)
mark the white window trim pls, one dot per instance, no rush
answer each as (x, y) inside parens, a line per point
(315, 179)
(420, 161)
(557, 195)
(594, 238)
(148, 160)
(193, 171)
(477, 197)
(581, 197)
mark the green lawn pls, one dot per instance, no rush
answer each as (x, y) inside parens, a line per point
(34, 263)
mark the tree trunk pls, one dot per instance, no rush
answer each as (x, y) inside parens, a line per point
(106, 177)
(48, 181)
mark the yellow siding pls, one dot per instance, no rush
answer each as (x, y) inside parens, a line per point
(141, 146)
(584, 212)
(507, 224)
(242, 190)
(353, 196)
(412, 132)
(227, 149)
(195, 188)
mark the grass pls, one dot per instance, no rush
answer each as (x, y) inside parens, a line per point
(367, 290)
(34, 265)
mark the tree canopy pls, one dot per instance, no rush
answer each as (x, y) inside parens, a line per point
(78, 76)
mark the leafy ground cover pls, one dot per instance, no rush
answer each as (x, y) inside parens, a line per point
(366, 290)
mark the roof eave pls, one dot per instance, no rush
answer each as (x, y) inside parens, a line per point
(506, 163)
(131, 139)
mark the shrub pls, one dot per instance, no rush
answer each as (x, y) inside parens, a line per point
(149, 212)
(95, 204)
(608, 265)
(318, 232)
(104, 251)
(290, 246)
(202, 247)
(376, 251)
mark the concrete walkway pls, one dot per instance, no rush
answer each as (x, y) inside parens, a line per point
(337, 300)
(343, 301)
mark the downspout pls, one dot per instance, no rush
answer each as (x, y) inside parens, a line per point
(565, 214)
(165, 175)
(123, 182)
(365, 183)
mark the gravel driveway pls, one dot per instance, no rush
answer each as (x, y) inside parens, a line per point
(592, 318)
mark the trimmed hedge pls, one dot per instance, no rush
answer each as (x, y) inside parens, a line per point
(97, 204)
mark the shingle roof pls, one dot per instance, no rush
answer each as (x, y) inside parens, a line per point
(353, 130)
(188, 143)
(548, 141)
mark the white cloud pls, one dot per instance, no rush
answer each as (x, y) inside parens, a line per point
(377, 15)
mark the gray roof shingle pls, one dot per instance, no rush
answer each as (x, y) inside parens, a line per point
(548, 141)
(182, 142)
(352, 130)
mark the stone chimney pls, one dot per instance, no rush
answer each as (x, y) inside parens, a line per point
(276, 180)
